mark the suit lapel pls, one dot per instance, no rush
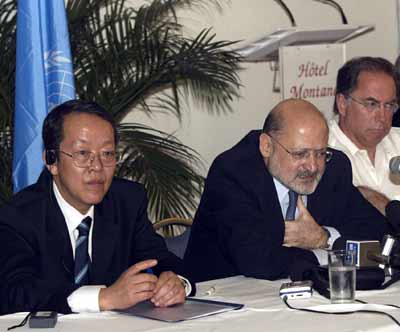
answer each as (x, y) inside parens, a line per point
(266, 191)
(104, 241)
(259, 178)
(58, 241)
(262, 183)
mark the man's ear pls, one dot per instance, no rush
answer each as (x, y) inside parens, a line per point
(341, 103)
(265, 145)
(53, 168)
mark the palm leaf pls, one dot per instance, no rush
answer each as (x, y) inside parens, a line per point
(137, 59)
(165, 166)
(7, 73)
(123, 62)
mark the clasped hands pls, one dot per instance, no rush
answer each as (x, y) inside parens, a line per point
(304, 232)
(134, 286)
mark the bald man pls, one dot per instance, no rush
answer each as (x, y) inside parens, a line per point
(283, 172)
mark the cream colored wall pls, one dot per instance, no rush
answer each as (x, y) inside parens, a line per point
(247, 20)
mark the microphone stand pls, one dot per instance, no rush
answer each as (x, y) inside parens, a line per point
(337, 6)
(287, 11)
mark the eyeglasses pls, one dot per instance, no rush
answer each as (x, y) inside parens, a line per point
(83, 158)
(304, 154)
(373, 105)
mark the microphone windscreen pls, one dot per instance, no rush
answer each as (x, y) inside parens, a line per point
(394, 165)
(392, 211)
(364, 252)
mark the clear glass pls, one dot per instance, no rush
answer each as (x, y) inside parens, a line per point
(342, 276)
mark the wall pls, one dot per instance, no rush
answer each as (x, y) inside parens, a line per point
(248, 20)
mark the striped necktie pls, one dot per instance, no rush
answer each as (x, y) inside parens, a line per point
(82, 260)
(291, 210)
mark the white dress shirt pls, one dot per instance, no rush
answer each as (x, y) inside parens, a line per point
(376, 176)
(283, 196)
(85, 298)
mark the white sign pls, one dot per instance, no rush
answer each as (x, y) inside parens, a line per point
(309, 72)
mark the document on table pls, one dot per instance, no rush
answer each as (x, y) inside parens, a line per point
(191, 309)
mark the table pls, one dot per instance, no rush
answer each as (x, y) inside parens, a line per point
(263, 311)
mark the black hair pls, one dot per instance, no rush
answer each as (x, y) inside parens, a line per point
(52, 132)
(273, 122)
(347, 78)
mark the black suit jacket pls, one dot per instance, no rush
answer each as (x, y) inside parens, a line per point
(239, 228)
(36, 262)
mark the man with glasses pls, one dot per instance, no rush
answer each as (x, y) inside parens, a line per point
(80, 239)
(277, 200)
(366, 99)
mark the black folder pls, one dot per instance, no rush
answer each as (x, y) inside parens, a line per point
(192, 308)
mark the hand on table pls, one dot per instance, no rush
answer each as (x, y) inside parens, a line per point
(132, 287)
(169, 290)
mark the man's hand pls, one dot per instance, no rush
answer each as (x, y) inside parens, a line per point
(169, 290)
(377, 199)
(131, 287)
(304, 232)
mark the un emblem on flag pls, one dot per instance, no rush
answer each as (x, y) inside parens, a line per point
(59, 78)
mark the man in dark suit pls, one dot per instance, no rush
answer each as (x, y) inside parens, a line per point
(80, 239)
(240, 228)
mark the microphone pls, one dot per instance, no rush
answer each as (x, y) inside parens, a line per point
(366, 253)
(337, 6)
(387, 256)
(383, 258)
(394, 165)
(392, 211)
(369, 254)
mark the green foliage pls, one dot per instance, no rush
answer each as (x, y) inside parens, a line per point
(7, 74)
(131, 60)
(164, 166)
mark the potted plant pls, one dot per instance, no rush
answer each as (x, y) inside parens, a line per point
(129, 60)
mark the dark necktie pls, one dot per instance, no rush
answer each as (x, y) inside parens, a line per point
(291, 210)
(82, 259)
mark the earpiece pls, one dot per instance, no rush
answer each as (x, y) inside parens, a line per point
(51, 157)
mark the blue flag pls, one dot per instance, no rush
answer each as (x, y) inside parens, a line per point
(44, 79)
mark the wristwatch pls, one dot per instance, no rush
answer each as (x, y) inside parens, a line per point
(329, 240)
(186, 285)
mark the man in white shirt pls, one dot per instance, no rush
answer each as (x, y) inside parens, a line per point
(79, 239)
(366, 99)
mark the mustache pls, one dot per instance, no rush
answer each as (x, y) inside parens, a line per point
(306, 173)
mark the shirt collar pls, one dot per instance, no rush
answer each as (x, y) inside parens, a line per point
(342, 138)
(71, 215)
(353, 149)
(281, 190)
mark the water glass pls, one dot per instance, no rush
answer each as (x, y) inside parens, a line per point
(342, 276)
